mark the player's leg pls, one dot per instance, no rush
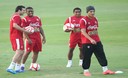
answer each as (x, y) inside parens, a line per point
(100, 55)
(25, 57)
(35, 57)
(87, 53)
(81, 53)
(28, 50)
(70, 55)
(72, 45)
(81, 57)
(18, 47)
(37, 47)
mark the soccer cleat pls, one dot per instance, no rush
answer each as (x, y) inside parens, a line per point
(17, 71)
(108, 72)
(22, 69)
(69, 65)
(11, 71)
(87, 74)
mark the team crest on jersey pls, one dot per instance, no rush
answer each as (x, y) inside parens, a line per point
(95, 22)
(29, 20)
(74, 20)
(37, 19)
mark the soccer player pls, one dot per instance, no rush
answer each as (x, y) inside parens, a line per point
(33, 41)
(91, 42)
(75, 36)
(16, 38)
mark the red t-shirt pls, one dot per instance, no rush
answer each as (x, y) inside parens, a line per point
(89, 25)
(14, 33)
(76, 22)
(35, 22)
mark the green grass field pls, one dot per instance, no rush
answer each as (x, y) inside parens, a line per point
(113, 25)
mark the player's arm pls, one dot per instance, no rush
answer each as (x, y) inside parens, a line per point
(19, 28)
(27, 37)
(67, 30)
(43, 35)
(83, 31)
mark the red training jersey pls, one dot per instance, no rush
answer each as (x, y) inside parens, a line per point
(75, 21)
(14, 33)
(35, 22)
(89, 25)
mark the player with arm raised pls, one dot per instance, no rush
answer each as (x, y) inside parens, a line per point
(75, 35)
(33, 41)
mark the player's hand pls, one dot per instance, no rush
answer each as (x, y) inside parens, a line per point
(93, 41)
(68, 30)
(76, 30)
(27, 32)
(36, 30)
(43, 40)
(29, 41)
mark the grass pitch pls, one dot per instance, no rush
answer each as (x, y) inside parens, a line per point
(113, 25)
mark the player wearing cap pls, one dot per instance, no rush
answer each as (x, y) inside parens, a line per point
(91, 42)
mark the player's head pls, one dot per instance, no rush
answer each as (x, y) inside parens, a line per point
(20, 9)
(29, 11)
(77, 12)
(90, 11)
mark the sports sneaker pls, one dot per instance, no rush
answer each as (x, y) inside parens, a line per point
(108, 72)
(11, 71)
(87, 74)
(22, 69)
(17, 71)
(69, 64)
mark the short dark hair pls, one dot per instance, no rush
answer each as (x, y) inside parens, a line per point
(88, 8)
(19, 8)
(29, 8)
(77, 8)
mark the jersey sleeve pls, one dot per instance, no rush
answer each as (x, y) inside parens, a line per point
(40, 22)
(67, 21)
(24, 22)
(97, 21)
(83, 23)
(16, 19)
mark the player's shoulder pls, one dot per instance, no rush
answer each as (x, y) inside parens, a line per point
(95, 18)
(25, 18)
(82, 16)
(37, 17)
(15, 15)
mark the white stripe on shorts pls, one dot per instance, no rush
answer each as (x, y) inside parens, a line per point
(18, 44)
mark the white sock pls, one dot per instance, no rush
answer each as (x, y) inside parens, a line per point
(12, 65)
(17, 67)
(69, 61)
(104, 68)
(31, 65)
(86, 70)
(80, 62)
(22, 65)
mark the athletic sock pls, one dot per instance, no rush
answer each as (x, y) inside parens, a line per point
(12, 65)
(104, 68)
(22, 65)
(69, 61)
(17, 67)
(80, 62)
(31, 66)
(86, 70)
